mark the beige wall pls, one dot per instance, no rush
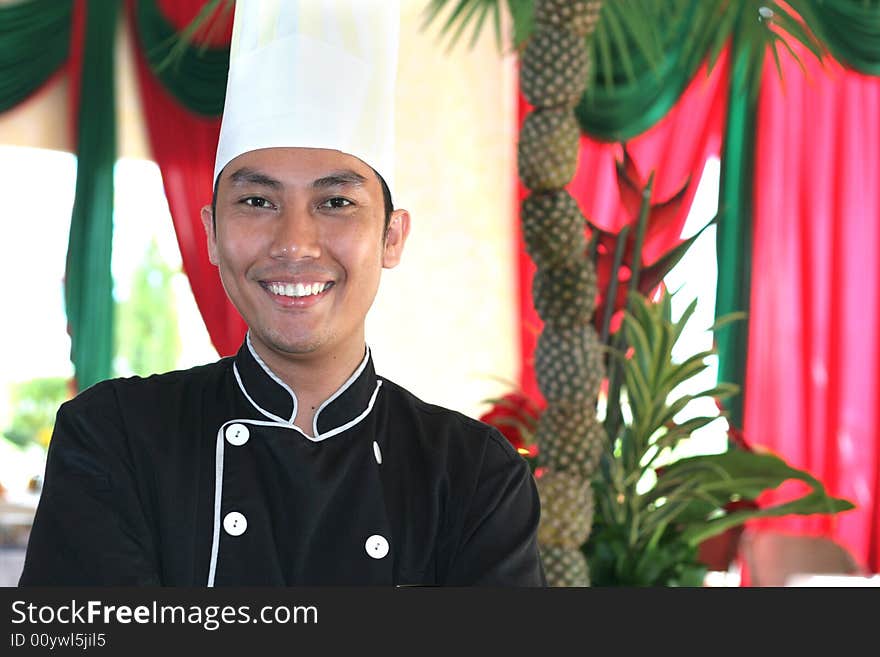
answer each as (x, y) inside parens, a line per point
(42, 121)
(443, 323)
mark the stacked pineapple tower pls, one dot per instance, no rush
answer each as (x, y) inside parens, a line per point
(568, 359)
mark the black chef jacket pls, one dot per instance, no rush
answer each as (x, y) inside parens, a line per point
(199, 477)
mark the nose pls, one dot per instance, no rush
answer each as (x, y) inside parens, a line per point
(297, 235)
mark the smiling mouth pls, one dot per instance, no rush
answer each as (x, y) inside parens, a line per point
(296, 290)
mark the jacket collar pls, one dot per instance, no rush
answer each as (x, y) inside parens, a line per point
(278, 402)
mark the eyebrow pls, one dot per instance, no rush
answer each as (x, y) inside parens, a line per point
(246, 176)
(340, 179)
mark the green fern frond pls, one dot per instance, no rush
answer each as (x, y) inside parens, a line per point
(464, 14)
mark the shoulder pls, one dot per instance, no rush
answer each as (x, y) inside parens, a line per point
(454, 430)
(163, 381)
(151, 394)
(124, 414)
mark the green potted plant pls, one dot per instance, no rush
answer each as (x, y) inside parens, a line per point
(652, 516)
(653, 511)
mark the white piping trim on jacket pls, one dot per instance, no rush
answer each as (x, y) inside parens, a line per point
(353, 422)
(218, 493)
(269, 415)
(345, 386)
(218, 469)
(342, 389)
(271, 375)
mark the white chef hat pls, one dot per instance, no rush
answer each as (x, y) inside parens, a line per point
(313, 74)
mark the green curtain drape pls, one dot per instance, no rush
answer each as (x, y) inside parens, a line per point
(850, 29)
(197, 75)
(34, 42)
(88, 280)
(734, 236)
(625, 98)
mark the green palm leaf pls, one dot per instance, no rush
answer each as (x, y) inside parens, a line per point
(633, 35)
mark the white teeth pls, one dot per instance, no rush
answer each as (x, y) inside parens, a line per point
(297, 289)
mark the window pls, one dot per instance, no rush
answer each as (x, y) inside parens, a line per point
(36, 206)
(695, 277)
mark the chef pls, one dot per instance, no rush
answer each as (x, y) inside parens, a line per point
(292, 463)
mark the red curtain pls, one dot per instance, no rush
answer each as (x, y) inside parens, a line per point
(677, 147)
(73, 67)
(812, 392)
(184, 146)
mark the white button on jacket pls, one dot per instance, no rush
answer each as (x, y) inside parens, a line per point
(237, 434)
(235, 523)
(376, 546)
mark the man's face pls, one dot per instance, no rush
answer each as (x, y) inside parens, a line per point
(299, 245)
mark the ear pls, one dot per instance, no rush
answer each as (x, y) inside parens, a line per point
(210, 233)
(395, 238)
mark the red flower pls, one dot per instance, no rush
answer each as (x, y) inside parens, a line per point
(738, 438)
(516, 416)
(719, 552)
(662, 228)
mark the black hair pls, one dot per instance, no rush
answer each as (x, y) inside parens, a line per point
(386, 198)
(389, 204)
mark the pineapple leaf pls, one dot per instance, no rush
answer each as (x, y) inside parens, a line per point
(720, 391)
(637, 337)
(637, 19)
(603, 56)
(481, 18)
(523, 14)
(679, 326)
(496, 23)
(778, 39)
(728, 18)
(670, 411)
(805, 37)
(611, 21)
(465, 12)
(611, 291)
(729, 318)
(472, 14)
(746, 475)
(686, 370)
(684, 430)
(660, 356)
(639, 395)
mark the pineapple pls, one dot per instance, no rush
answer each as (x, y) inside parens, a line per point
(553, 228)
(548, 148)
(568, 362)
(570, 438)
(576, 16)
(565, 565)
(562, 295)
(566, 509)
(554, 69)
(568, 359)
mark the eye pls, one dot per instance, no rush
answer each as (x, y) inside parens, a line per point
(337, 202)
(256, 202)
